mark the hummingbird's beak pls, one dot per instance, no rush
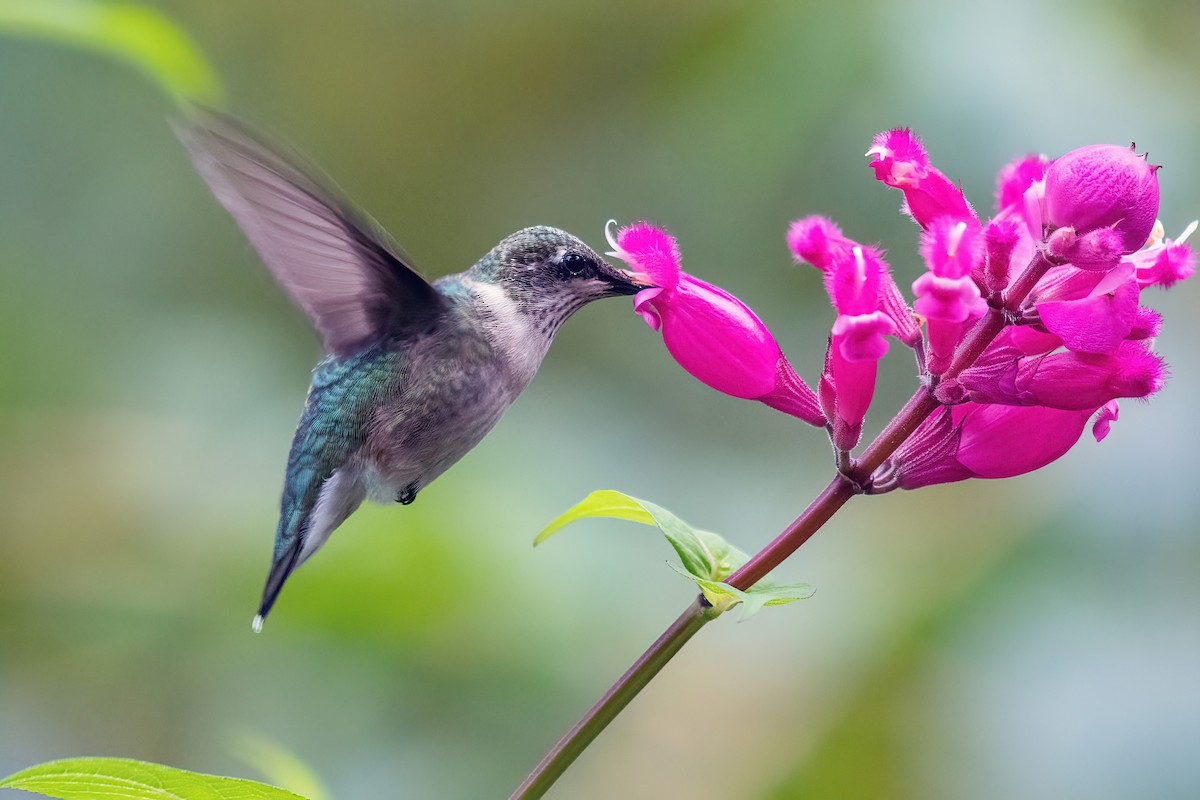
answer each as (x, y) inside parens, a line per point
(624, 281)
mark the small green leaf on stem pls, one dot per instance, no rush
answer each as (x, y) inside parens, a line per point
(723, 597)
(125, 779)
(707, 558)
(133, 33)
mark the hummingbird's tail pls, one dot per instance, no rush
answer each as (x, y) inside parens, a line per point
(281, 567)
(311, 510)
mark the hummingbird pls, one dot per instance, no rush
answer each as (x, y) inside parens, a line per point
(415, 373)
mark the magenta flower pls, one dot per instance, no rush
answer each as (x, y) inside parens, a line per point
(869, 308)
(1064, 379)
(947, 296)
(708, 331)
(986, 441)
(1164, 262)
(1100, 187)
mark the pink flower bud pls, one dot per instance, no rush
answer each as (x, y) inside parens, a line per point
(1097, 250)
(899, 161)
(708, 331)
(1001, 237)
(1066, 380)
(986, 441)
(1104, 186)
(1017, 176)
(1005, 441)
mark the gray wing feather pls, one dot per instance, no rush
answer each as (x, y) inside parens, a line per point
(336, 264)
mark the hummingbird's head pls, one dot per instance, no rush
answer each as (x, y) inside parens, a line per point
(550, 274)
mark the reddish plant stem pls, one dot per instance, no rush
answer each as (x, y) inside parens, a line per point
(847, 484)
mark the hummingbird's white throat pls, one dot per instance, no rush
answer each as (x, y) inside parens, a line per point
(510, 330)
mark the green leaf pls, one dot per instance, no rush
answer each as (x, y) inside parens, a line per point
(601, 503)
(129, 32)
(723, 597)
(707, 558)
(124, 779)
(703, 553)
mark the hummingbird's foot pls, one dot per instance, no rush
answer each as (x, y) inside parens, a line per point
(407, 494)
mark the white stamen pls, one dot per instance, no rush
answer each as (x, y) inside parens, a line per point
(1188, 231)
(612, 239)
(860, 266)
(956, 234)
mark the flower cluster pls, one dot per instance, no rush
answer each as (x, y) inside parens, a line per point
(1059, 272)
(1025, 326)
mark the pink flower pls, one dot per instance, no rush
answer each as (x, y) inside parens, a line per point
(947, 295)
(899, 160)
(858, 284)
(986, 441)
(1067, 380)
(708, 331)
(817, 241)
(1103, 186)
(1164, 262)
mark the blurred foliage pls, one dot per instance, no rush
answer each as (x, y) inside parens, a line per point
(278, 765)
(126, 31)
(151, 375)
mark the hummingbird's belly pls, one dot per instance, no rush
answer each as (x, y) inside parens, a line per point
(429, 427)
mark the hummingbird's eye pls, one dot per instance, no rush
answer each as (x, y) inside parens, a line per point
(575, 263)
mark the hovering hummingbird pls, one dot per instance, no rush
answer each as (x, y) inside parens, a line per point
(415, 373)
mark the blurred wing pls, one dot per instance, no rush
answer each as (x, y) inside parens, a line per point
(336, 265)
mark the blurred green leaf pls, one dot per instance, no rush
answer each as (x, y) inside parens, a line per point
(138, 35)
(278, 765)
(707, 558)
(124, 779)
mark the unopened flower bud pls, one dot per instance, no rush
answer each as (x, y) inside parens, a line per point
(1104, 186)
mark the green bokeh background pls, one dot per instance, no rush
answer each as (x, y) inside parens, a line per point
(1032, 638)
